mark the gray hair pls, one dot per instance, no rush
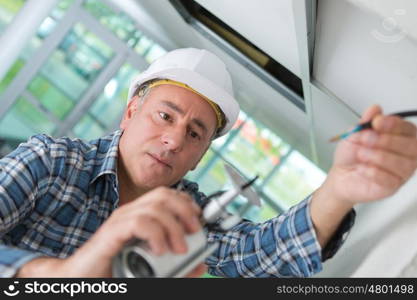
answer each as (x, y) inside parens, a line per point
(143, 90)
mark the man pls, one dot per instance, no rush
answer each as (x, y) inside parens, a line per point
(68, 207)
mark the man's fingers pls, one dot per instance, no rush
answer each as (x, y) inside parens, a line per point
(198, 271)
(398, 144)
(179, 203)
(187, 212)
(370, 113)
(397, 165)
(394, 125)
(380, 177)
(153, 233)
(173, 229)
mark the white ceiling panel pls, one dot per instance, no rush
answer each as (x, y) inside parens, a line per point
(268, 24)
(397, 17)
(361, 62)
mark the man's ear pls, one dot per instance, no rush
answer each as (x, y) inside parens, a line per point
(132, 107)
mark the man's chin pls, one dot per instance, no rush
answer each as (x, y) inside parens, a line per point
(151, 183)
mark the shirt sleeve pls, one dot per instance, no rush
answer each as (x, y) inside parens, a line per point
(24, 176)
(284, 246)
(12, 258)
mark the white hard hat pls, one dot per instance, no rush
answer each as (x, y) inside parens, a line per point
(202, 71)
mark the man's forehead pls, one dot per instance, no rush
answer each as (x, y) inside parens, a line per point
(180, 97)
(176, 92)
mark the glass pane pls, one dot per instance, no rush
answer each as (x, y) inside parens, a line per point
(70, 70)
(295, 180)
(254, 213)
(88, 129)
(51, 97)
(46, 27)
(10, 75)
(255, 143)
(25, 120)
(119, 23)
(80, 58)
(8, 9)
(124, 27)
(112, 102)
(154, 53)
(60, 10)
(209, 174)
(266, 212)
(201, 167)
(143, 46)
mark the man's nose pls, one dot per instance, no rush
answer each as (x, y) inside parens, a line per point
(174, 139)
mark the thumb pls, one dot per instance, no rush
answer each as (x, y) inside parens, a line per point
(370, 113)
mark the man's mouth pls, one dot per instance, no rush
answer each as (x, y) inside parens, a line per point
(160, 160)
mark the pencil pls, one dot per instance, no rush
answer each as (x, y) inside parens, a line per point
(368, 125)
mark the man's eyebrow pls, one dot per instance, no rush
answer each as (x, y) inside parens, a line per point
(200, 124)
(175, 107)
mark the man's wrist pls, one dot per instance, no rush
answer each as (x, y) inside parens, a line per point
(41, 267)
(330, 200)
(327, 211)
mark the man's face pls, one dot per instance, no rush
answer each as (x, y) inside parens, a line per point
(165, 136)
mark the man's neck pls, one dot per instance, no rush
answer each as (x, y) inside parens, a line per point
(128, 192)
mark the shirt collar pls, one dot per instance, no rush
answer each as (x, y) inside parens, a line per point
(107, 149)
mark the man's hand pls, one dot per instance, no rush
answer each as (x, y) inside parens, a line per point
(161, 217)
(374, 164)
(368, 166)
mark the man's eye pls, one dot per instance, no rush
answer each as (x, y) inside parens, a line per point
(164, 116)
(194, 135)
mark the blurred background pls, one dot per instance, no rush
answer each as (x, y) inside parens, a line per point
(303, 71)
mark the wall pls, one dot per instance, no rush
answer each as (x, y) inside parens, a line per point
(367, 53)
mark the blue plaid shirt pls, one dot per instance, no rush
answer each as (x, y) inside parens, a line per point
(55, 193)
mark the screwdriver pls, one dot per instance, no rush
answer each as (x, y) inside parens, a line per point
(368, 125)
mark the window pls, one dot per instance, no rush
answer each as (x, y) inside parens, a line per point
(59, 84)
(125, 29)
(255, 143)
(64, 95)
(8, 8)
(107, 109)
(296, 179)
(26, 119)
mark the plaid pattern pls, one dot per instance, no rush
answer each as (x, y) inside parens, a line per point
(55, 193)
